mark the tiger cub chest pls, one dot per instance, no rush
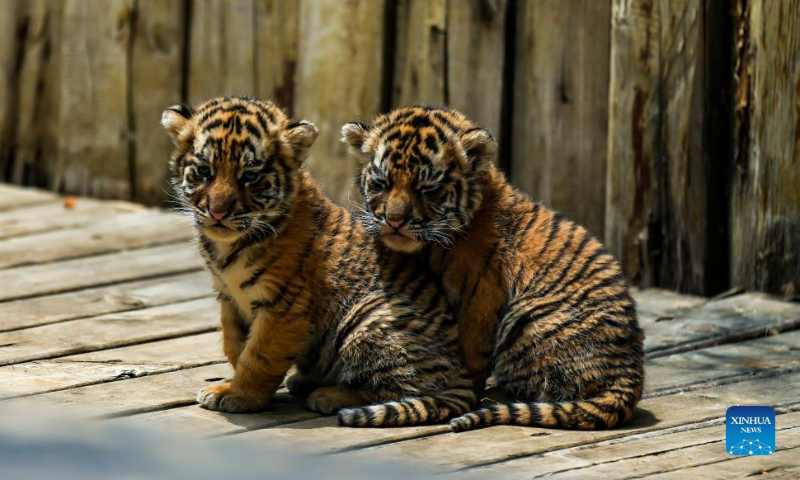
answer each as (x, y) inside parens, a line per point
(247, 284)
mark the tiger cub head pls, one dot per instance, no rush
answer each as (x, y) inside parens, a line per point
(419, 176)
(236, 164)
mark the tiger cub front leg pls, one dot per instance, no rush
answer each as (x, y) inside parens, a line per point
(268, 353)
(234, 330)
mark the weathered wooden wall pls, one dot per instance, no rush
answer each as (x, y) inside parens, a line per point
(670, 128)
(766, 190)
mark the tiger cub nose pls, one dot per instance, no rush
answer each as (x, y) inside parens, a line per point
(394, 223)
(219, 215)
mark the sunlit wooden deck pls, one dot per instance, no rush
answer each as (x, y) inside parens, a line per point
(106, 305)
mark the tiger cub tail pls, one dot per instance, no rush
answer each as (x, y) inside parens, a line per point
(606, 410)
(410, 411)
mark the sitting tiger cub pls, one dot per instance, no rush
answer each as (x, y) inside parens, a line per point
(541, 306)
(299, 279)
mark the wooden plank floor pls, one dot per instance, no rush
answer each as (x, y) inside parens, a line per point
(106, 306)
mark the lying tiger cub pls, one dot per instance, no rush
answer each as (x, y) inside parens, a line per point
(301, 282)
(541, 305)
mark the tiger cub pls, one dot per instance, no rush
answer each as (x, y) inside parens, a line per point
(541, 306)
(299, 279)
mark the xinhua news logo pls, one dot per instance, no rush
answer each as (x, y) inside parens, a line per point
(750, 431)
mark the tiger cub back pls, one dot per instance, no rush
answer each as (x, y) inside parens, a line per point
(541, 306)
(301, 282)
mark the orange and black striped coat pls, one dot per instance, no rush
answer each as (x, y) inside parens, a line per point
(301, 282)
(542, 307)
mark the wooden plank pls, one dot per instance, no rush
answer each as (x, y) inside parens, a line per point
(18, 197)
(94, 157)
(120, 232)
(276, 50)
(109, 331)
(468, 449)
(560, 113)
(645, 455)
(661, 220)
(69, 275)
(765, 212)
(476, 47)
(53, 215)
(749, 315)
(156, 70)
(322, 435)
(137, 395)
(684, 149)
(222, 49)
(195, 421)
(110, 365)
(121, 297)
(632, 183)
(9, 46)
(421, 53)
(675, 372)
(338, 43)
(37, 95)
(707, 462)
(658, 302)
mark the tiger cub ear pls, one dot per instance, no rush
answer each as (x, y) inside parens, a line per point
(355, 134)
(480, 147)
(300, 136)
(175, 119)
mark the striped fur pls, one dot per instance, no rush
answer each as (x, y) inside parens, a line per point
(301, 283)
(542, 307)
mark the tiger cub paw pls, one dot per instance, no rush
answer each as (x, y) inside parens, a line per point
(300, 385)
(224, 398)
(329, 400)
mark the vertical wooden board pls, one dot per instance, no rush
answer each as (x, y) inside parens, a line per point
(631, 177)
(476, 44)
(684, 159)
(766, 204)
(157, 78)
(221, 49)
(9, 45)
(93, 128)
(560, 110)
(38, 94)
(276, 33)
(338, 80)
(421, 53)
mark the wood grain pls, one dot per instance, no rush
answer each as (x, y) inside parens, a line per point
(647, 455)
(476, 54)
(421, 55)
(37, 93)
(222, 49)
(276, 39)
(339, 76)
(468, 449)
(156, 73)
(70, 275)
(52, 215)
(125, 231)
(109, 331)
(93, 131)
(560, 106)
(104, 366)
(632, 182)
(119, 297)
(766, 201)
